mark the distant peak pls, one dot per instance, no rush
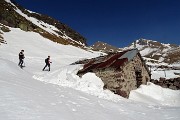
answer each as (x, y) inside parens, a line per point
(104, 47)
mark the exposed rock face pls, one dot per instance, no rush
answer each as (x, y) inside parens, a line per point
(3, 29)
(2, 40)
(120, 72)
(104, 47)
(173, 83)
(157, 52)
(9, 17)
(62, 27)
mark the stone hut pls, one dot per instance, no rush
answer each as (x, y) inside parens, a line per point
(121, 72)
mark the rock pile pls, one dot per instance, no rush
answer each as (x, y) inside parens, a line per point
(173, 83)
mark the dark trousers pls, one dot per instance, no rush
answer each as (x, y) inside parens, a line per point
(21, 62)
(46, 66)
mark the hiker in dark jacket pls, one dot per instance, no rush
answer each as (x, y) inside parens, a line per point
(21, 58)
(48, 62)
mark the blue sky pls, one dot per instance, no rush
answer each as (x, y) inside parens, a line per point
(116, 22)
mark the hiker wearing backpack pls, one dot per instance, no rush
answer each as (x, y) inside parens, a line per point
(48, 62)
(21, 58)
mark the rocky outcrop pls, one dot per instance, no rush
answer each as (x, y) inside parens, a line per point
(173, 83)
(104, 47)
(9, 17)
(156, 51)
(3, 29)
(2, 40)
(62, 27)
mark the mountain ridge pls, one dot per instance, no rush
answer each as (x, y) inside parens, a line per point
(104, 47)
(158, 51)
(14, 15)
(153, 50)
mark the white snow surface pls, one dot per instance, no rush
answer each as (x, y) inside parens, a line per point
(33, 94)
(154, 94)
(159, 73)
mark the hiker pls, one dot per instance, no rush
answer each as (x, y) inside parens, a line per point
(21, 58)
(48, 62)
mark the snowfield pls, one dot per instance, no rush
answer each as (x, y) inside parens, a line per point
(33, 94)
(154, 94)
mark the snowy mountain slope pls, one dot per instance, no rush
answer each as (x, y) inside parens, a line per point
(152, 51)
(40, 48)
(160, 52)
(156, 54)
(14, 15)
(23, 96)
(37, 49)
(163, 59)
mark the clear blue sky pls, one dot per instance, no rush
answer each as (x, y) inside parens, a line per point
(117, 22)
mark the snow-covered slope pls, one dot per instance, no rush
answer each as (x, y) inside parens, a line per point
(163, 59)
(159, 52)
(60, 94)
(154, 94)
(14, 15)
(23, 98)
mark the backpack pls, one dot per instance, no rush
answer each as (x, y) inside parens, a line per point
(46, 60)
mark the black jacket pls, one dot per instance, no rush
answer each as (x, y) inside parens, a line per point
(21, 55)
(47, 61)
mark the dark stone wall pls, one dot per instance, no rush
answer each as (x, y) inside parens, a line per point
(173, 83)
(121, 81)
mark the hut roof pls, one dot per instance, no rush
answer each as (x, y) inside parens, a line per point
(114, 60)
